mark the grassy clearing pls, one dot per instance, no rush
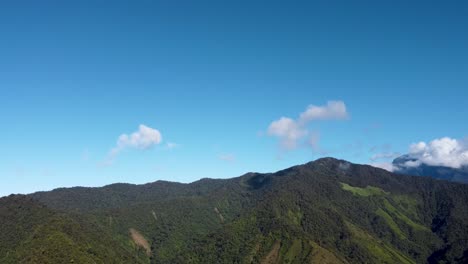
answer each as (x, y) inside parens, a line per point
(390, 208)
(294, 217)
(380, 250)
(406, 206)
(368, 191)
(389, 220)
(293, 252)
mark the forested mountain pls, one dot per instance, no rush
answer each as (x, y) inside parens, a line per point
(438, 172)
(326, 211)
(32, 233)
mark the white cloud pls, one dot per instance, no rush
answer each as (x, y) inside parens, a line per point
(412, 163)
(444, 151)
(333, 110)
(417, 147)
(227, 157)
(290, 131)
(384, 165)
(145, 138)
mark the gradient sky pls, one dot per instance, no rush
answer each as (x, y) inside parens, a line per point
(211, 76)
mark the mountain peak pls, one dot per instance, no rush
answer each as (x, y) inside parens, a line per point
(326, 159)
(332, 163)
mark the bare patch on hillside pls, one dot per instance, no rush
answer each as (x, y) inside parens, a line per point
(140, 240)
(323, 256)
(273, 255)
(221, 217)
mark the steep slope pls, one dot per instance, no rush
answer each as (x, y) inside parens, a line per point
(32, 233)
(170, 215)
(437, 172)
(326, 211)
(356, 214)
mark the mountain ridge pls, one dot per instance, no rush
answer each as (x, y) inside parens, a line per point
(324, 210)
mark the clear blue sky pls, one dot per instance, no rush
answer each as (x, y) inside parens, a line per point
(212, 76)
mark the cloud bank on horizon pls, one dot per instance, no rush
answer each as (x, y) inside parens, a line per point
(291, 131)
(445, 151)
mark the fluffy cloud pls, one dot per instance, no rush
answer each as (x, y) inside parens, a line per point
(384, 165)
(444, 151)
(145, 138)
(383, 159)
(447, 152)
(412, 163)
(290, 131)
(333, 110)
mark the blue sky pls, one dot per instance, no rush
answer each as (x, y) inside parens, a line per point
(212, 76)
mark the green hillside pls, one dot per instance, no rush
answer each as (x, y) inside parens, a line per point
(32, 233)
(326, 211)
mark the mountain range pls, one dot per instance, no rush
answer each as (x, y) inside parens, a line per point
(325, 211)
(409, 165)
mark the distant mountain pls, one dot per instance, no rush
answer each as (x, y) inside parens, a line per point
(438, 172)
(326, 211)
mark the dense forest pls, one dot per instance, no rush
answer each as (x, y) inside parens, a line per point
(326, 211)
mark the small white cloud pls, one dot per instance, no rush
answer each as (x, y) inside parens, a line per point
(290, 131)
(384, 165)
(172, 145)
(333, 110)
(145, 138)
(344, 166)
(412, 163)
(227, 157)
(444, 151)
